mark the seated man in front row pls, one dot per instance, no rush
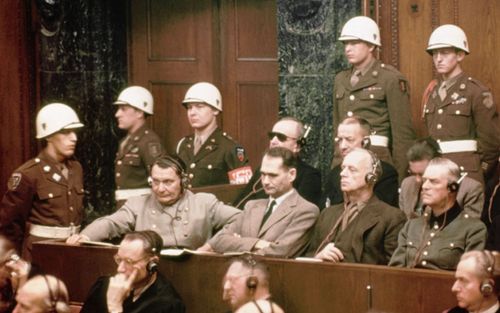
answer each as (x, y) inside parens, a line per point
(277, 226)
(438, 238)
(246, 286)
(137, 287)
(182, 218)
(477, 282)
(363, 229)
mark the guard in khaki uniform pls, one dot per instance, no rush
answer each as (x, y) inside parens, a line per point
(437, 239)
(138, 150)
(45, 195)
(374, 91)
(210, 154)
(459, 110)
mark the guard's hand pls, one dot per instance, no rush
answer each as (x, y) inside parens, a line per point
(76, 239)
(330, 253)
(118, 290)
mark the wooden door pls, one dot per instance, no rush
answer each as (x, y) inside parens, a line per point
(231, 43)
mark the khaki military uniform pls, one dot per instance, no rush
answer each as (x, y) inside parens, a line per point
(466, 113)
(218, 155)
(381, 97)
(39, 194)
(438, 246)
(188, 223)
(133, 162)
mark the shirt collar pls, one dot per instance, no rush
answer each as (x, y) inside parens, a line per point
(281, 198)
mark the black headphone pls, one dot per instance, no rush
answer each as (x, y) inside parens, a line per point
(454, 186)
(166, 161)
(487, 287)
(252, 280)
(365, 144)
(55, 296)
(372, 177)
(303, 140)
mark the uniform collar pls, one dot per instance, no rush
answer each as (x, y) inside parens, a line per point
(443, 220)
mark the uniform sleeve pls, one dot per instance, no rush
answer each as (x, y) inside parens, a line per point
(336, 111)
(152, 149)
(15, 208)
(112, 226)
(399, 256)
(476, 237)
(402, 131)
(221, 214)
(487, 128)
(236, 157)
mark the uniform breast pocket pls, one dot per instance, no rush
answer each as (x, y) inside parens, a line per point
(132, 160)
(372, 97)
(460, 115)
(450, 254)
(50, 198)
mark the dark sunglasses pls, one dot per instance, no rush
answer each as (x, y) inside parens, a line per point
(281, 137)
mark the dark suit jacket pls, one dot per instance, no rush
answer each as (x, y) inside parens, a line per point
(307, 183)
(288, 228)
(386, 188)
(160, 297)
(370, 238)
(470, 196)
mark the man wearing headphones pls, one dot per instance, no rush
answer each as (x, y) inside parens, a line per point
(363, 229)
(139, 148)
(289, 133)
(43, 294)
(182, 218)
(477, 280)
(246, 286)
(438, 238)
(211, 155)
(354, 132)
(277, 226)
(137, 287)
(470, 195)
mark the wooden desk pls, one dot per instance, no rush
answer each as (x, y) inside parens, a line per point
(299, 287)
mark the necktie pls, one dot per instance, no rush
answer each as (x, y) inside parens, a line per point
(269, 210)
(123, 144)
(197, 144)
(442, 91)
(355, 77)
(64, 171)
(351, 212)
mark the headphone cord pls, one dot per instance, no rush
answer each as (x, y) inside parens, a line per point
(254, 191)
(425, 238)
(172, 219)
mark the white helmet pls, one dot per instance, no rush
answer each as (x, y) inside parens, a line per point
(55, 117)
(446, 36)
(204, 92)
(361, 28)
(137, 97)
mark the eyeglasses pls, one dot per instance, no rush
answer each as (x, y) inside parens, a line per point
(128, 262)
(281, 137)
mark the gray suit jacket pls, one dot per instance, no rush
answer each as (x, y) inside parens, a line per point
(470, 196)
(288, 228)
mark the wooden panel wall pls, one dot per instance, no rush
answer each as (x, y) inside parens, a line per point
(231, 43)
(407, 24)
(16, 87)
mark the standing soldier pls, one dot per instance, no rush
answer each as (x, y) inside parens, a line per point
(45, 195)
(211, 156)
(374, 91)
(138, 150)
(459, 110)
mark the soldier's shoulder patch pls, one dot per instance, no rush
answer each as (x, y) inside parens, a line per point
(14, 181)
(403, 85)
(154, 149)
(488, 99)
(240, 153)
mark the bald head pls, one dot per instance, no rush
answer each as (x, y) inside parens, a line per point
(43, 294)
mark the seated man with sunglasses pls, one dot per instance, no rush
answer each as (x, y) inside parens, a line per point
(137, 286)
(288, 133)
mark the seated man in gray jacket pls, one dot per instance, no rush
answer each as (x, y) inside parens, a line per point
(182, 219)
(277, 226)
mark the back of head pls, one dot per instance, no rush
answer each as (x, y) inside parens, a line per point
(49, 292)
(423, 149)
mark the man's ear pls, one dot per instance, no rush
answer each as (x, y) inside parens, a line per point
(292, 173)
(460, 55)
